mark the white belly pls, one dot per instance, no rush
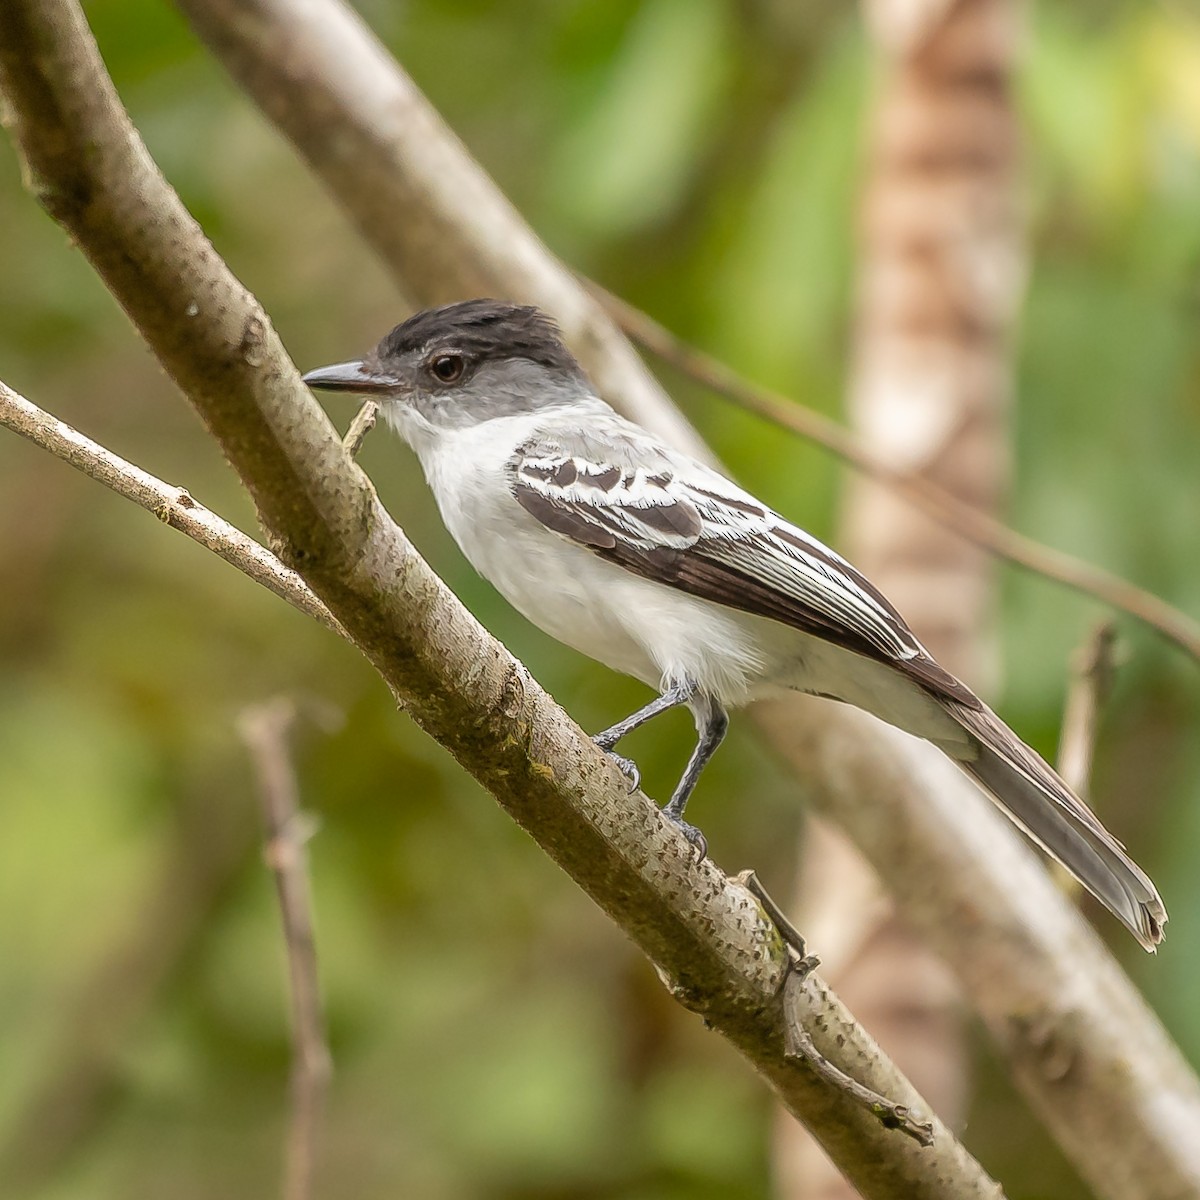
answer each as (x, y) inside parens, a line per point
(634, 626)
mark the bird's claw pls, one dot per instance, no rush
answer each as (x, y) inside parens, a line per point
(626, 766)
(695, 838)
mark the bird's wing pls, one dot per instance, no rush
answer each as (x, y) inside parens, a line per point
(674, 521)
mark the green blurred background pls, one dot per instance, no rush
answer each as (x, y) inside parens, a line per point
(494, 1036)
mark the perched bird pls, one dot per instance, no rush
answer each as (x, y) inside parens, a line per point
(661, 568)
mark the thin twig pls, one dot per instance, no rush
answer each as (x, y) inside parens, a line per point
(799, 1045)
(790, 934)
(1093, 668)
(174, 506)
(363, 423)
(264, 728)
(977, 527)
(797, 1042)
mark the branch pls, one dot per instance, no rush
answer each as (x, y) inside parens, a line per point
(1093, 667)
(264, 729)
(363, 423)
(173, 506)
(799, 1045)
(1124, 1114)
(969, 522)
(724, 957)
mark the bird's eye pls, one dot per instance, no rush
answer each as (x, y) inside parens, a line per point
(447, 367)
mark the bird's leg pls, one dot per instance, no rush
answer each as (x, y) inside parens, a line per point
(712, 721)
(675, 695)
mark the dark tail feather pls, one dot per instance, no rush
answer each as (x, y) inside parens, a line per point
(1037, 800)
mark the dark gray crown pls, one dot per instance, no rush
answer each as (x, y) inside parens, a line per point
(480, 330)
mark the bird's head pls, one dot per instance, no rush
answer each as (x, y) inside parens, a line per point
(461, 365)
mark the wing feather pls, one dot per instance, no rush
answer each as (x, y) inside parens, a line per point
(693, 530)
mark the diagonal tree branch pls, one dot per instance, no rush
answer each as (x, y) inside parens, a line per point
(174, 506)
(707, 934)
(961, 875)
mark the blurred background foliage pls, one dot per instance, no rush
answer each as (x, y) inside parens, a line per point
(494, 1036)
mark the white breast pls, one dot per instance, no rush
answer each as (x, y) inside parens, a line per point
(634, 626)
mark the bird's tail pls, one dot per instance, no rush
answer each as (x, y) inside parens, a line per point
(1037, 800)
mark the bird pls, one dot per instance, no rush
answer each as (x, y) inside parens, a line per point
(661, 568)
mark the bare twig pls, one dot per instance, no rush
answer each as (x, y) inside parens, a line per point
(363, 423)
(86, 164)
(971, 523)
(797, 1042)
(264, 728)
(1093, 669)
(790, 934)
(174, 506)
(799, 1045)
